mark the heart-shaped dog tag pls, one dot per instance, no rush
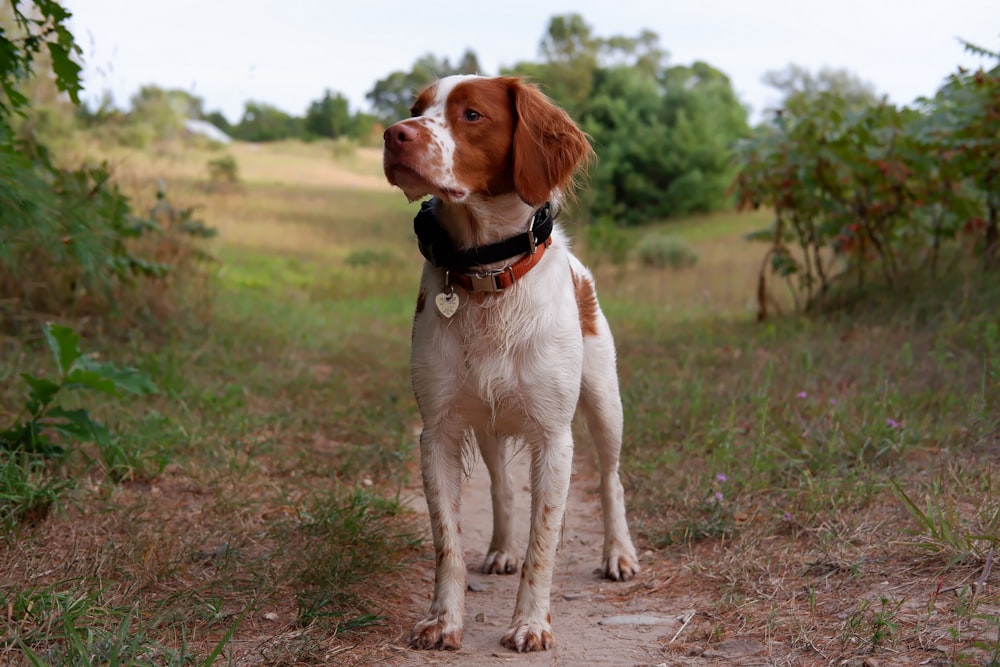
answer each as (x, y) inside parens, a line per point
(446, 304)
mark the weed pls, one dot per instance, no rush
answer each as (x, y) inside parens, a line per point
(44, 429)
(869, 628)
(946, 529)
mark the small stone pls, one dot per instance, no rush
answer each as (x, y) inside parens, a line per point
(475, 587)
(580, 595)
(366, 482)
(270, 616)
(480, 618)
(636, 619)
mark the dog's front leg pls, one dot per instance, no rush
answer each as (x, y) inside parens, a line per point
(551, 465)
(441, 469)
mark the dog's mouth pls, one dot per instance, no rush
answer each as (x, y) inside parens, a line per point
(414, 185)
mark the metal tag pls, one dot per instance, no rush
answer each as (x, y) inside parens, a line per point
(447, 303)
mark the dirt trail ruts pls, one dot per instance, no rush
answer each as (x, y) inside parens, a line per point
(580, 597)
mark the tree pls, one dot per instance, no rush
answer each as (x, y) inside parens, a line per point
(28, 37)
(665, 144)
(165, 109)
(392, 96)
(264, 122)
(330, 116)
(799, 87)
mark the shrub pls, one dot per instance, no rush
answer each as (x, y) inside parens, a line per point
(223, 170)
(606, 240)
(69, 240)
(71, 244)
(344, 148)
(665, 251)
(880, 190)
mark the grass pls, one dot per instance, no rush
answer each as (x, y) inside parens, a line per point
(827, 486)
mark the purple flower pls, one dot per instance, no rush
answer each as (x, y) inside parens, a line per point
(718, 496)
(833, 401)
(721, 477)
(803, 394)
(788, 516)
(892, 423)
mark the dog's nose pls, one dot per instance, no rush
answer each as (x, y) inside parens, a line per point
(400, 133)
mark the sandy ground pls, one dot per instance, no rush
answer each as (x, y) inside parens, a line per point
(581, 599)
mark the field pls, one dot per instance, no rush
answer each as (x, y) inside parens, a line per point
(818, 491)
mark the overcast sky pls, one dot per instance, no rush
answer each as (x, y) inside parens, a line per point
(287, 53)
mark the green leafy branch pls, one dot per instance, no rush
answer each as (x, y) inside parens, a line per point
(41, 418)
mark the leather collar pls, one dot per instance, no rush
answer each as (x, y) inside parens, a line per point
(437, 248)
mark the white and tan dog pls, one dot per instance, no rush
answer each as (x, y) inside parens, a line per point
(508, 339)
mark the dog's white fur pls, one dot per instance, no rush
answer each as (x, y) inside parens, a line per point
(510, 369)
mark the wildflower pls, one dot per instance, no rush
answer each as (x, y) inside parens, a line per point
(788, 516)
(803, 394)
(721, 477)
(719, 496)
(892, 423)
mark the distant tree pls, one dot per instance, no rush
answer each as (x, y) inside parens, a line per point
(799, 87)
(165, 109)
(264, 122)
(330, 116)
(665, 144)
(573, 56)
(664, 135)
(392, 96)
(217, 119)
(367, 129)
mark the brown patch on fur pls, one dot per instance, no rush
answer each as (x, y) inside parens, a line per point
(483, 151)
(548, 618)
(424, 100)
(586, 303)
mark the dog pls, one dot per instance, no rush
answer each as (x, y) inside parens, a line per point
(508, 338)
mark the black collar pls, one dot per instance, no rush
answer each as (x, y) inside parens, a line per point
(436, 246)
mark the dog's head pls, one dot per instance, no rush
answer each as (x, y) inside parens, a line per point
(472, 136)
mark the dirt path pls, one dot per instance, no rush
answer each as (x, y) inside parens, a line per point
(581, 599)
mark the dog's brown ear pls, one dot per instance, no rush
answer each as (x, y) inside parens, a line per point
(548, 146)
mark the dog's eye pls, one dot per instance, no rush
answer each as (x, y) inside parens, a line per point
(414, 112)
(472, 115)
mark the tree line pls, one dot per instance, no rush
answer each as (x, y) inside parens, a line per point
(664, 133)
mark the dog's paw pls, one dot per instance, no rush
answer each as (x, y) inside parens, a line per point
(621, 564)
(524, 637)
(499, 562)
(434, 634)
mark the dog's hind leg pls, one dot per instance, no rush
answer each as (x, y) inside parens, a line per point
(501, 557)
(601, 406)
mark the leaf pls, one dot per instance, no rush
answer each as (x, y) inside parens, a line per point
(123, 378)
(66, 70)
(65, 346)
(76, 424)
(42, 390)
(91, 379)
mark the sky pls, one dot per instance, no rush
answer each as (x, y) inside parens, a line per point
(288, 53)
